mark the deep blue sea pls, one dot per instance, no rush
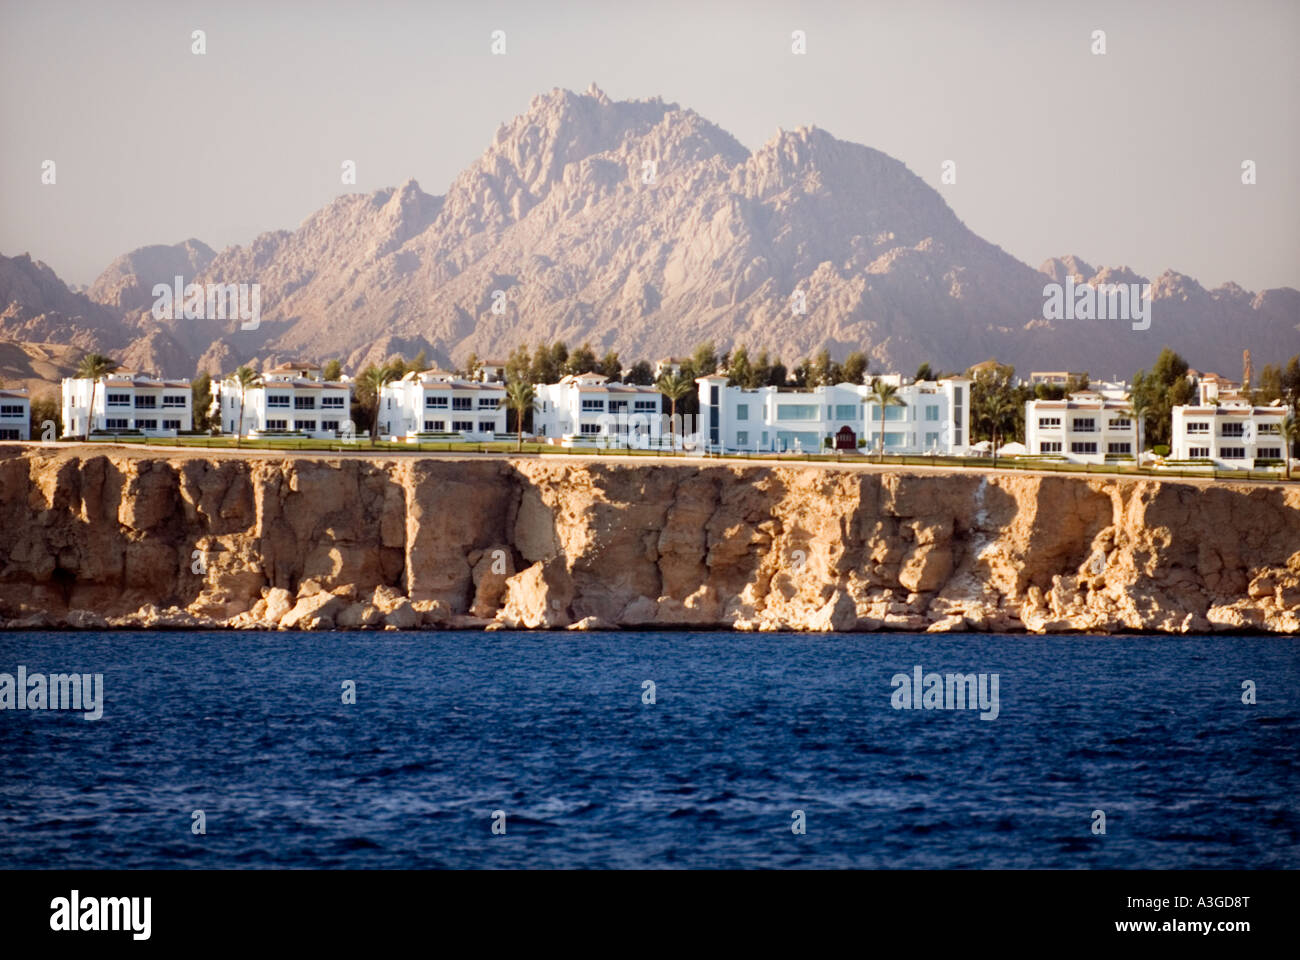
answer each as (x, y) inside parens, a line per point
(551, 730)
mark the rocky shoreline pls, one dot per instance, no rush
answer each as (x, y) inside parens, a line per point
(132, 540)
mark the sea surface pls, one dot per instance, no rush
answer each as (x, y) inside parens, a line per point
(553, 731)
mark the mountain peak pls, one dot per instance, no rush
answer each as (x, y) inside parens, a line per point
(644, 228)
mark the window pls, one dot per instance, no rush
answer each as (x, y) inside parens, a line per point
(648, 406)
(115, 423)
(331, 402)
(895, 439)
(119, 399)
(618, 406)
(1049, 446)
(1198, 427)
(1049, 423)
(931, 440)
(146, 424)
(487, 403)
(486, 426)
(146, 402)
(1201, 453)
(590, 406)
(1233, 430)
(1269, 453)
(932, 413)
(463, 426)
(1120, 423)
(1124, 447)
(10, 433)
(1270, 429)
(435, 403)
(895, 413)
(1085, 425)
(171, 424)
(797, 411)
(175, 399)
(305, 426)
(742, 411)
(462, 403)
(742, 438)
(277, 400)
(11, 411)
(277, 424)
(1232, 453)
(589, 428)
(330, 425)
(848, 411)
(435, 426)
(1080, 446)
(309, 403)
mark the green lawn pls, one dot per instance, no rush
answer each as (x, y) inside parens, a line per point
(508, 446)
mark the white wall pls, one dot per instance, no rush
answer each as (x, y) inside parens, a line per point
(1233, 436)
(291, 405)
(430, 404)
(15, 415)
(770, 419)
(139, 403)
(1081, 431)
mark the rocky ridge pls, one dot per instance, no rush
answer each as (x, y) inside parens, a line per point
(133, 540)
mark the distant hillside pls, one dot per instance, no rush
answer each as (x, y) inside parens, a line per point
(642, 227)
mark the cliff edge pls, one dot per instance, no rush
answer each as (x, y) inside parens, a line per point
(128, 539)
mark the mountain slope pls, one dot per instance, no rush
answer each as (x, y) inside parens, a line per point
(560, 225)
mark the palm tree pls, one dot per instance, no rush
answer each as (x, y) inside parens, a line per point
(246, 378)
(994, 410)
(94, 366)
(1290, 431)
(886, 395)
(372, 380)
(1140, 406)
(674, 386)
(520, 397)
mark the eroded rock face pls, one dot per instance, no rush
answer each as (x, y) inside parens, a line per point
(129, 539)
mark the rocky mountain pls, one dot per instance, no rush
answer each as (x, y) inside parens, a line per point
(128, 281)
(642, 227)
(37, 307)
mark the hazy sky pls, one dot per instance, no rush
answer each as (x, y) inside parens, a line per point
(1131, 158)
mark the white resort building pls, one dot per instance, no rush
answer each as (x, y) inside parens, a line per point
(934, 417)
(438, 403)
(1086, 427)
(587, 408)
(126, 403)
(289, 399)
(1232, 435)
(15, 414)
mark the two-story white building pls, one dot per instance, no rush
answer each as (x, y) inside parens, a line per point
(1085, 427)
(1234, 435)
(934, 417)
(438, 402)
(125, 403)
(289, 399)
(15, 414)
(586, 407)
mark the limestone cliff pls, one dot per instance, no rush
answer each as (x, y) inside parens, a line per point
(126, 538)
